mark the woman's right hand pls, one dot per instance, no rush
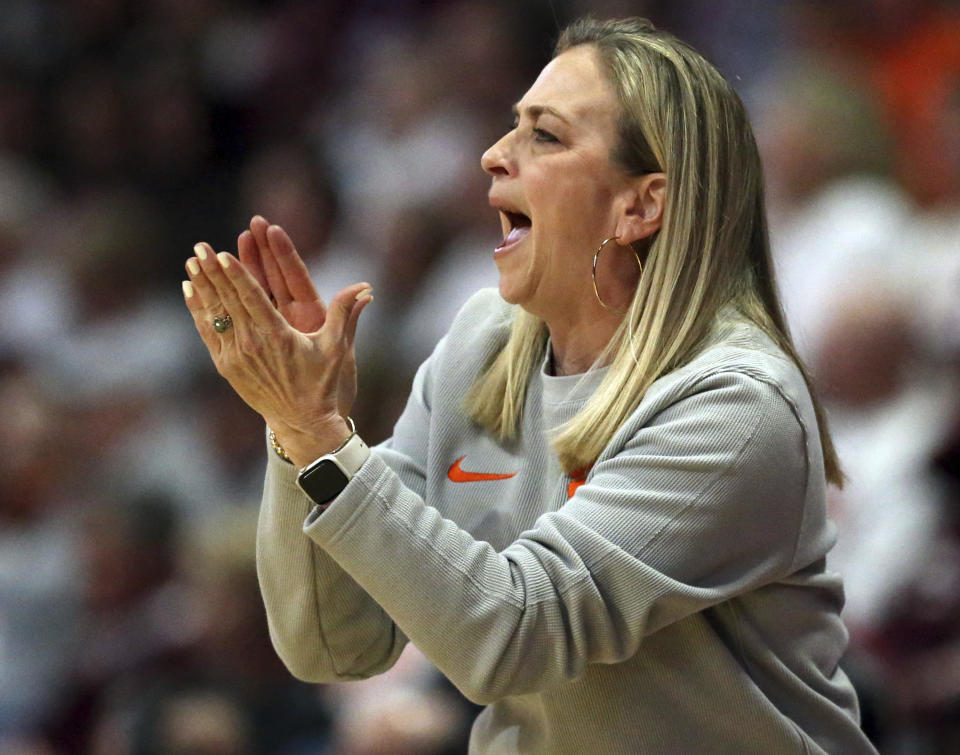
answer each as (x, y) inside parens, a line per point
(268, 253)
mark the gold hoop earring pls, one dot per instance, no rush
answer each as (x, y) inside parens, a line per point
(596, 291)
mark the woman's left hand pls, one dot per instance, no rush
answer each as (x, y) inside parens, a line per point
(292, 379)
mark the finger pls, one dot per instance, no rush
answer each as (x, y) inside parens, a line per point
(258, 227)
(249, 255)
(294, 271)
(275, 282)
(212, 266)
(202, 287)
(201, 318)
(341, 308)
(250, 294)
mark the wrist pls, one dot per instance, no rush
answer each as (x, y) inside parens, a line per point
(300, 446)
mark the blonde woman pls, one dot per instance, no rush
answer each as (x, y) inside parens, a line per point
(602, 512)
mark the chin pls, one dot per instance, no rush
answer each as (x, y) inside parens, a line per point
(514, 283)
(522, 296)
(509, 293)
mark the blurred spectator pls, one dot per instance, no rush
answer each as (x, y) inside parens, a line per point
(835, 214)
(39, 558)
(201, 675)
(869, 285)
(406, 711)
(390, 139)
(114, 330)
(910, 51)
(287, 184)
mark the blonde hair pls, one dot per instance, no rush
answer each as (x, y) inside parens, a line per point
(677, 116)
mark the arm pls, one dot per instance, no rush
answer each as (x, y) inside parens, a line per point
(292, 360)
(702, 503)
(323, 625)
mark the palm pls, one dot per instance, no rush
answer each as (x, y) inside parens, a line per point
(305, 316)
(273, 260)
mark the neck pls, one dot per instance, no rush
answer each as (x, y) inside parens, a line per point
(577, 345)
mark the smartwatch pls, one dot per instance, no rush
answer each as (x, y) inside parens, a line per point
(324, 479)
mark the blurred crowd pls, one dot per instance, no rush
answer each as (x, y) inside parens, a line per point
(130, 619)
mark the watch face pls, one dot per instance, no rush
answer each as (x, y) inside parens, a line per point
(323, 481)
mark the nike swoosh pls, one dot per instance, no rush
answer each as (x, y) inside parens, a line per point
(457, 474)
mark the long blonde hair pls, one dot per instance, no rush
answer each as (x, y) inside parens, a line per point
(677, 116)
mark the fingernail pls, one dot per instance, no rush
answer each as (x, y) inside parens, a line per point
(224, 259)
(365, 292)
(258, 217)
(201, 251)
(187, 289)
(193, 266)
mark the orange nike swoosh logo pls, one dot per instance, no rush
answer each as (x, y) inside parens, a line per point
(458, 474)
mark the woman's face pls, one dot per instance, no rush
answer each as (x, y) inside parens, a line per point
(558, 193)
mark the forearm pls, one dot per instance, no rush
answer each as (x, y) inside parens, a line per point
(626, 556)
(493, 623)
(323, 625)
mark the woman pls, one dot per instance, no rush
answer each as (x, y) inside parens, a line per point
(601, 513)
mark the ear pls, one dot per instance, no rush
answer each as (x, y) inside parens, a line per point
(643, 208)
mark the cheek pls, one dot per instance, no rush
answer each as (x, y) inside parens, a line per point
(561, 262)
(574, 223)
(576, 199)
(571, 206)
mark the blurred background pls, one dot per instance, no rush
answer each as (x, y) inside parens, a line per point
(130, 620)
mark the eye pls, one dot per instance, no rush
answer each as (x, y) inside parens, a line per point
(544, 136)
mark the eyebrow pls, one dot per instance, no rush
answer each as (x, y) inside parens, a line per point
(537, 110)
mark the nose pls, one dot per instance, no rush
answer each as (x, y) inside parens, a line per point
(496, 160)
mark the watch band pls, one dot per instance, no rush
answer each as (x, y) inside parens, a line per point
(349, 457)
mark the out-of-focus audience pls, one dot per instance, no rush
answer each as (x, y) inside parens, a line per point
(130, 619)
(862, 149)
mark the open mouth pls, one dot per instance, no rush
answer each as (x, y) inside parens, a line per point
(519, 227)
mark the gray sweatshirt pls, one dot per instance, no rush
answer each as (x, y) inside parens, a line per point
(674, 601)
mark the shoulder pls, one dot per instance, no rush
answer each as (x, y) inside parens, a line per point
(480, 329)
(741, 398)
(742, 361)
(484, 311)
(478, 332)
(725, 447)
(733, 434)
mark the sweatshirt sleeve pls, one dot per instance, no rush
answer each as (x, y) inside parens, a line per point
(702, 503)
(324, 626)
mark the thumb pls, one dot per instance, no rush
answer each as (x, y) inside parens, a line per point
(344, 309)
(360, 304)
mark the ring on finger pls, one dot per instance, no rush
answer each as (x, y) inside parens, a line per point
(222, 324)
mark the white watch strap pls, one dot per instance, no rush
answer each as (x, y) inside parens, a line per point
(351, 455)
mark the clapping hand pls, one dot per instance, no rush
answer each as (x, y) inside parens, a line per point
(269, 334)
